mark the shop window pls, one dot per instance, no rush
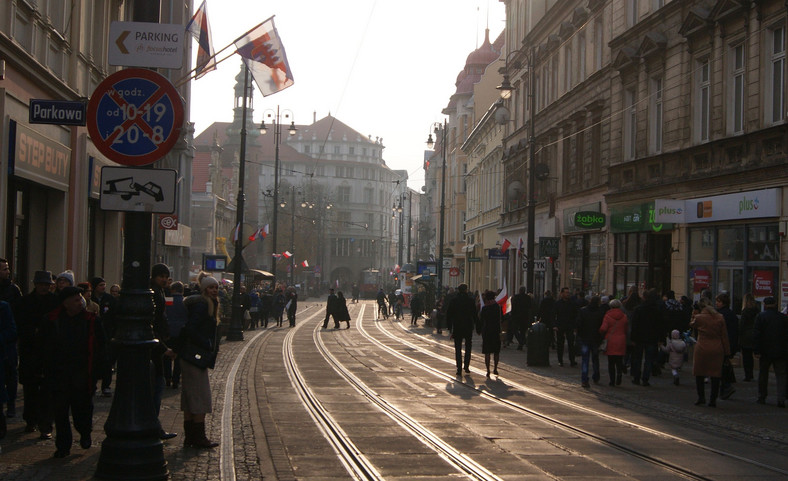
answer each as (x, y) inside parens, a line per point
(702, 244)
(763, 244)
(730, 244)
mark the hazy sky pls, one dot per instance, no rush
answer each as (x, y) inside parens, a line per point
(386, 68)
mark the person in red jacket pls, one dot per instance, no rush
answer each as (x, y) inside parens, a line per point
(614, 330)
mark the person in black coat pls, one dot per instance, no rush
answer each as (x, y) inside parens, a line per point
(646, 333)
(332, 309)
(159, 279)
(266, 304)
(462, 319)
(565, 326)
(722, 303)
(30, 319)
(291, 301)
(490, 318)
(771, 348)
(73, 348)
(342, 313)
(520, 318)
(589, 322)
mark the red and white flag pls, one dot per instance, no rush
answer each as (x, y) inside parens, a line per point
(264, 231)
(503, 299)
(264, 55)
(237, 233)
(287, 254)
(505, 245)
(305, 263)
(200, 29)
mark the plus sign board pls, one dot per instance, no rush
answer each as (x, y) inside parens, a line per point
(135, 117)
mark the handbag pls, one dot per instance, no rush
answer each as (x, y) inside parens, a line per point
(196, 355)
(603, 345)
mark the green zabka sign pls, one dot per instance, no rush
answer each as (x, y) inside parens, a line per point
(590, 220)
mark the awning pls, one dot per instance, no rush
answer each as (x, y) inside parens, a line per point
(263, 274)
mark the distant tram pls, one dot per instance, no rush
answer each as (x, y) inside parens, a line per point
(368, 283)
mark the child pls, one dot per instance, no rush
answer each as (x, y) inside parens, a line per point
(675, 348)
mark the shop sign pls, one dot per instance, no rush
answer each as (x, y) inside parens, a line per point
(701, 279)
(539, 265)
(569, 214)
(548, 246)
(182, 236)
(168, 221)
(145, 44)
(637, 218)
(740, 206)
(37, 158)
(589, 220)
(763, 283)
(497, 254)
(474, 259)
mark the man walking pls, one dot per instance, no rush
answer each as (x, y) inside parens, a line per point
(10, 293)
(646, 332)
(331, 309)
(462, 317)
(520, 318)
(771, 346)
(566, 325)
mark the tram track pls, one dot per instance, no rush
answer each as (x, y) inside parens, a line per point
(685, 472)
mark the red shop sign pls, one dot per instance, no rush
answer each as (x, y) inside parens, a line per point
(763, 283)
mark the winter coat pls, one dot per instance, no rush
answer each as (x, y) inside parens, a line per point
(646, 324)
(547, 312)
(732, 325)
(675, 349)
(490, 318)
(771, 334)
(31, 316)
(614, 329)
(73, 351)
(589, 322)
(521, 311)
(712, 346)
(342, 314)
(747, 327)
(565, 315)
(673, 316)
(462, 317)
(200, 328)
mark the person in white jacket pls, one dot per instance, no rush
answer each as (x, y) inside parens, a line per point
(675, 347)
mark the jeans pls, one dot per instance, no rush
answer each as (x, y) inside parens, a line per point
(642, 370)
(591, 350)
(458, 351)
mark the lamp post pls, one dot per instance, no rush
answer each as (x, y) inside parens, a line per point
(430, 143)
(398, 209)
(506, 91)
(275, 117)
(292, 232)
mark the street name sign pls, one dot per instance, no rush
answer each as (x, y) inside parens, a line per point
(58, 112)
(135, 117)
(143, 44)
(138, 190)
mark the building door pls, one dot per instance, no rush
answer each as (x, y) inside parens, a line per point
(659, 262)
(731, 280)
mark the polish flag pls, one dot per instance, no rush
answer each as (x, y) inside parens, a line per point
(287, 254)
(305, 263)
(503, 299)
(505, 245)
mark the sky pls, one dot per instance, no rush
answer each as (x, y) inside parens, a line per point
(386, 68)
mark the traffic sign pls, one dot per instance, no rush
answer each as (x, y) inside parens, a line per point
(58, 112)
(454, 272)
(135, 117)
(144, 44)
(138, 190)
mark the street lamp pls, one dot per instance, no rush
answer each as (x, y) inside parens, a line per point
(283, 204)
(275, 117)
(506, 91)
(430, 143)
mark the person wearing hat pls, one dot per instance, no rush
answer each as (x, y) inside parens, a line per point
(200, 331)
(159, 279)
(771, 348)
(63, 280)
(73, 343)
(31, 313)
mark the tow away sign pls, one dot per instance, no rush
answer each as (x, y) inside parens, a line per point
(143, 44)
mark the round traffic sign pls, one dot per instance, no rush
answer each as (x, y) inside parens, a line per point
(135, 116)
(454, 272)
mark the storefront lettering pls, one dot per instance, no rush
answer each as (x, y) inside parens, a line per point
(652, 218)
(590, 219)
(748, 204)
(40, 156)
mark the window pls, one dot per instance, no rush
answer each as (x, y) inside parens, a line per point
(658, 4)
(776, 108)
(336, 150)
(343, 194)
(569, 66)
(655, 116)
(632, 13)
(322, 149)
(349, 172)
(368, 193)
(599, 44)
(630, 124)
(736, 90)
(352, 150)
(581, 56)
(307, 149)
(702, 102)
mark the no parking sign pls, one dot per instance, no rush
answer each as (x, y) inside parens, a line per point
(135, 116)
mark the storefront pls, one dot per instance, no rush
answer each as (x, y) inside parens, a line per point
(585, 248)
(733, 242)
(641, 249)
(104, 247)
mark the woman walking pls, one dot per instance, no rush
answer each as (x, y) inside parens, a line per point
(198, 352)
(747, 334)
(614, 330)
(342, 312)
(490, 317)
(710, 350)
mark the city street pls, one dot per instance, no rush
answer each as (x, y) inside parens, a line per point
(381, 401)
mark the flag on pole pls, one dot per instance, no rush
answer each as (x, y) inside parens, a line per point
(200, 29)
(264, 56)
(237, 233)
(264, 231)
(503, 299)
(505, 245)
(305, 263)
(520, 247)
(287, 254)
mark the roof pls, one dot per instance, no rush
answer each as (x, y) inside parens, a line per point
(334, 127)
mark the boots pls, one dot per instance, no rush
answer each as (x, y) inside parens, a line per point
(195, 436)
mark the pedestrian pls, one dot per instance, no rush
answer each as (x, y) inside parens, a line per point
(254, 309)
(565, 326)
(520, 319)
(245, 301)
(332, 309)
(73, 344)
(176, 320)
(546, 314)
(10, 293)
(614, 328)
(675, 348)
(355, 292)
(87, 292)
(722, 304)
(771, 341)
(114, 291)
(7, 336)
(292, 305)
(628, 305)
(416, 306)
(159, 279)
(462, 318)
(710, 350)
(381, 299)
(107, 310)
(342, 312)
(490, 318)
(646, 333)
(279, 303)
(266, 305)
(63, 280)
(749, 312)
(30, 319)
(589, 322)
(200, 331)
